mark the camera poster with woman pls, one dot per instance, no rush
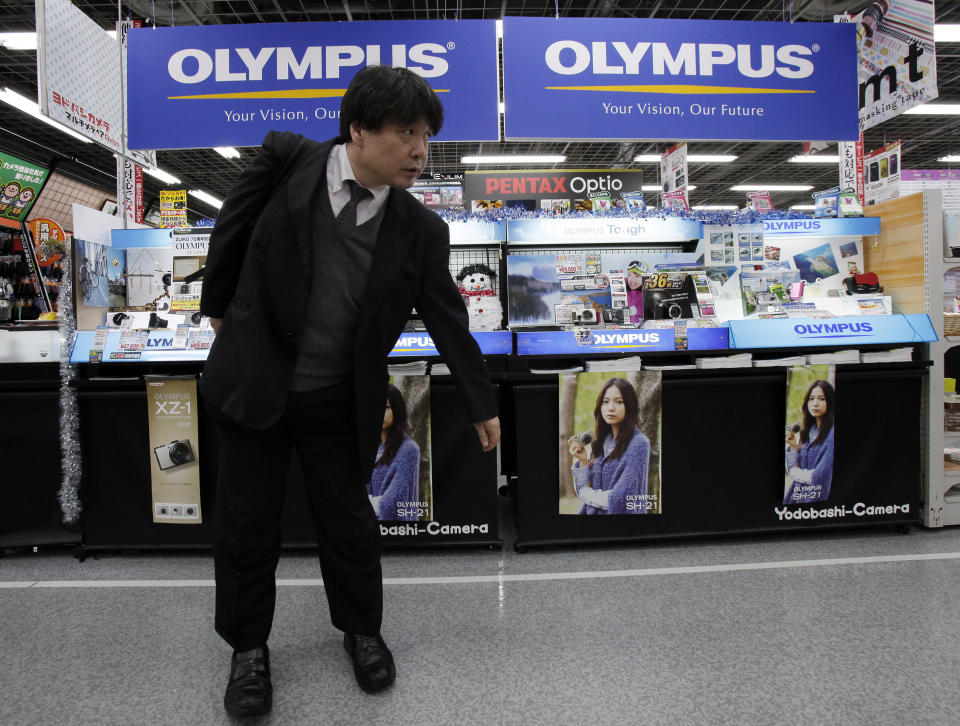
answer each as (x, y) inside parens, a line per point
(809, 449)
(609, 444)
(400, 487)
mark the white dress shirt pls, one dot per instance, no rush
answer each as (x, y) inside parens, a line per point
(338, 171)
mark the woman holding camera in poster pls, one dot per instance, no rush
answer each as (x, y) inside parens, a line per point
(809, 450)
(394, 485)
(612, 477)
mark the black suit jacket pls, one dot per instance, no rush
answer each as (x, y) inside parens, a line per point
(258, 278)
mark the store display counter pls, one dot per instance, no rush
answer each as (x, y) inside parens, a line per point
(116, 492)
(722, 456)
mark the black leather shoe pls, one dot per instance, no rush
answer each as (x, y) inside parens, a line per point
(249, 691)
(372, 661)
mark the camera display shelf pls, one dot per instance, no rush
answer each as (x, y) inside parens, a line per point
(162, 346)
(620, 340)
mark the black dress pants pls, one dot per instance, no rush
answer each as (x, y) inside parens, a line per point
(321, 426)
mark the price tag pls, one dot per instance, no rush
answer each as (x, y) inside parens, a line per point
(200, 338)
(180, 337)
(132, 345)
(99, 340)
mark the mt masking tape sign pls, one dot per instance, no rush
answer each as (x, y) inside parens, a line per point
(228, 85)
(678, 79)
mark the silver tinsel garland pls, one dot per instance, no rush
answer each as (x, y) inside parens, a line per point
(70, 467)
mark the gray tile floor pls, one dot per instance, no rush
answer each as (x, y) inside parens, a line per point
(819, 643)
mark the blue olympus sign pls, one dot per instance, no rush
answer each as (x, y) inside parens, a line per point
(228, 85)
(791, 332)
(564, 342)
(418, 345)
(848, 227)
(679, 79)
(160, 346)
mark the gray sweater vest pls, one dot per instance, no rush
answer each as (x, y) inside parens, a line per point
(341, 266)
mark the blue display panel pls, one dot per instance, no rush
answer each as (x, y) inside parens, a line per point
(856, 330)
(159, 346)
(228, 85)
(582, 78)
(564, 342)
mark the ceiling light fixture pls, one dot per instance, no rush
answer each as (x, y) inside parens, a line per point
(936, 109)
(514, 159)
(165, 177)
(705, 158)
(204, 197)
(18, 41)
(946, 33)
(771, 188)
(815, 159)
(31, 107)
(950, 159)
(227, 152)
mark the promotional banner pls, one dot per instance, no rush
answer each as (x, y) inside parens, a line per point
(897, 59)
(21, 183)
(439, 191)
(582, 287)
(130, 190)
(49, 240)
(100, 274)
(228, 85)
(851, 167)
(174, 452)
(809, 451)
(143, 157)
(400, 487)
(552, 189)
(674, 178)
(882, 171)
(78, 67)
(173, 208)
(611, 229)
(610, 443)
(576, 78)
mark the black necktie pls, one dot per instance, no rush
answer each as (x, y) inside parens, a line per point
(347, 219)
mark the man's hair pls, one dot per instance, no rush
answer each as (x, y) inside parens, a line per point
(384, 94)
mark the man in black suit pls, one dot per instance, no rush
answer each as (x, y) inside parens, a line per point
(316, 260)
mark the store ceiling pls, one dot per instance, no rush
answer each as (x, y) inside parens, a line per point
(925, 138)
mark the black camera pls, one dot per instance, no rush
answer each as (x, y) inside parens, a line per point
(584, 439)
(613, 315)
(671, 306)
(176, 453)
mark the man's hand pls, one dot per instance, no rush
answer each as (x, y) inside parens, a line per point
(215, 323)
(489, 433)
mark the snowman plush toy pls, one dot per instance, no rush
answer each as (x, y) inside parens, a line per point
(483, 306)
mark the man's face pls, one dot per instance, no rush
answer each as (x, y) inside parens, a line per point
(394, 155)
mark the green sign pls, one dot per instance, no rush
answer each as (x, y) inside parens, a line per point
(20, 183)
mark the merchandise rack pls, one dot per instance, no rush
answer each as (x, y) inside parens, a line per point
(908, 256)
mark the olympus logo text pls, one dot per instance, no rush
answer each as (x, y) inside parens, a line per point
(194, 65)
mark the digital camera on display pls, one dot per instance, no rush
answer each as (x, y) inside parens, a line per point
(584, 439)
(766, 298)
(613, 315)
(586, 315)
(671, 306)
(176, 453)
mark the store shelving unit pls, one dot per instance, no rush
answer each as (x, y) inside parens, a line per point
(909, 257)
